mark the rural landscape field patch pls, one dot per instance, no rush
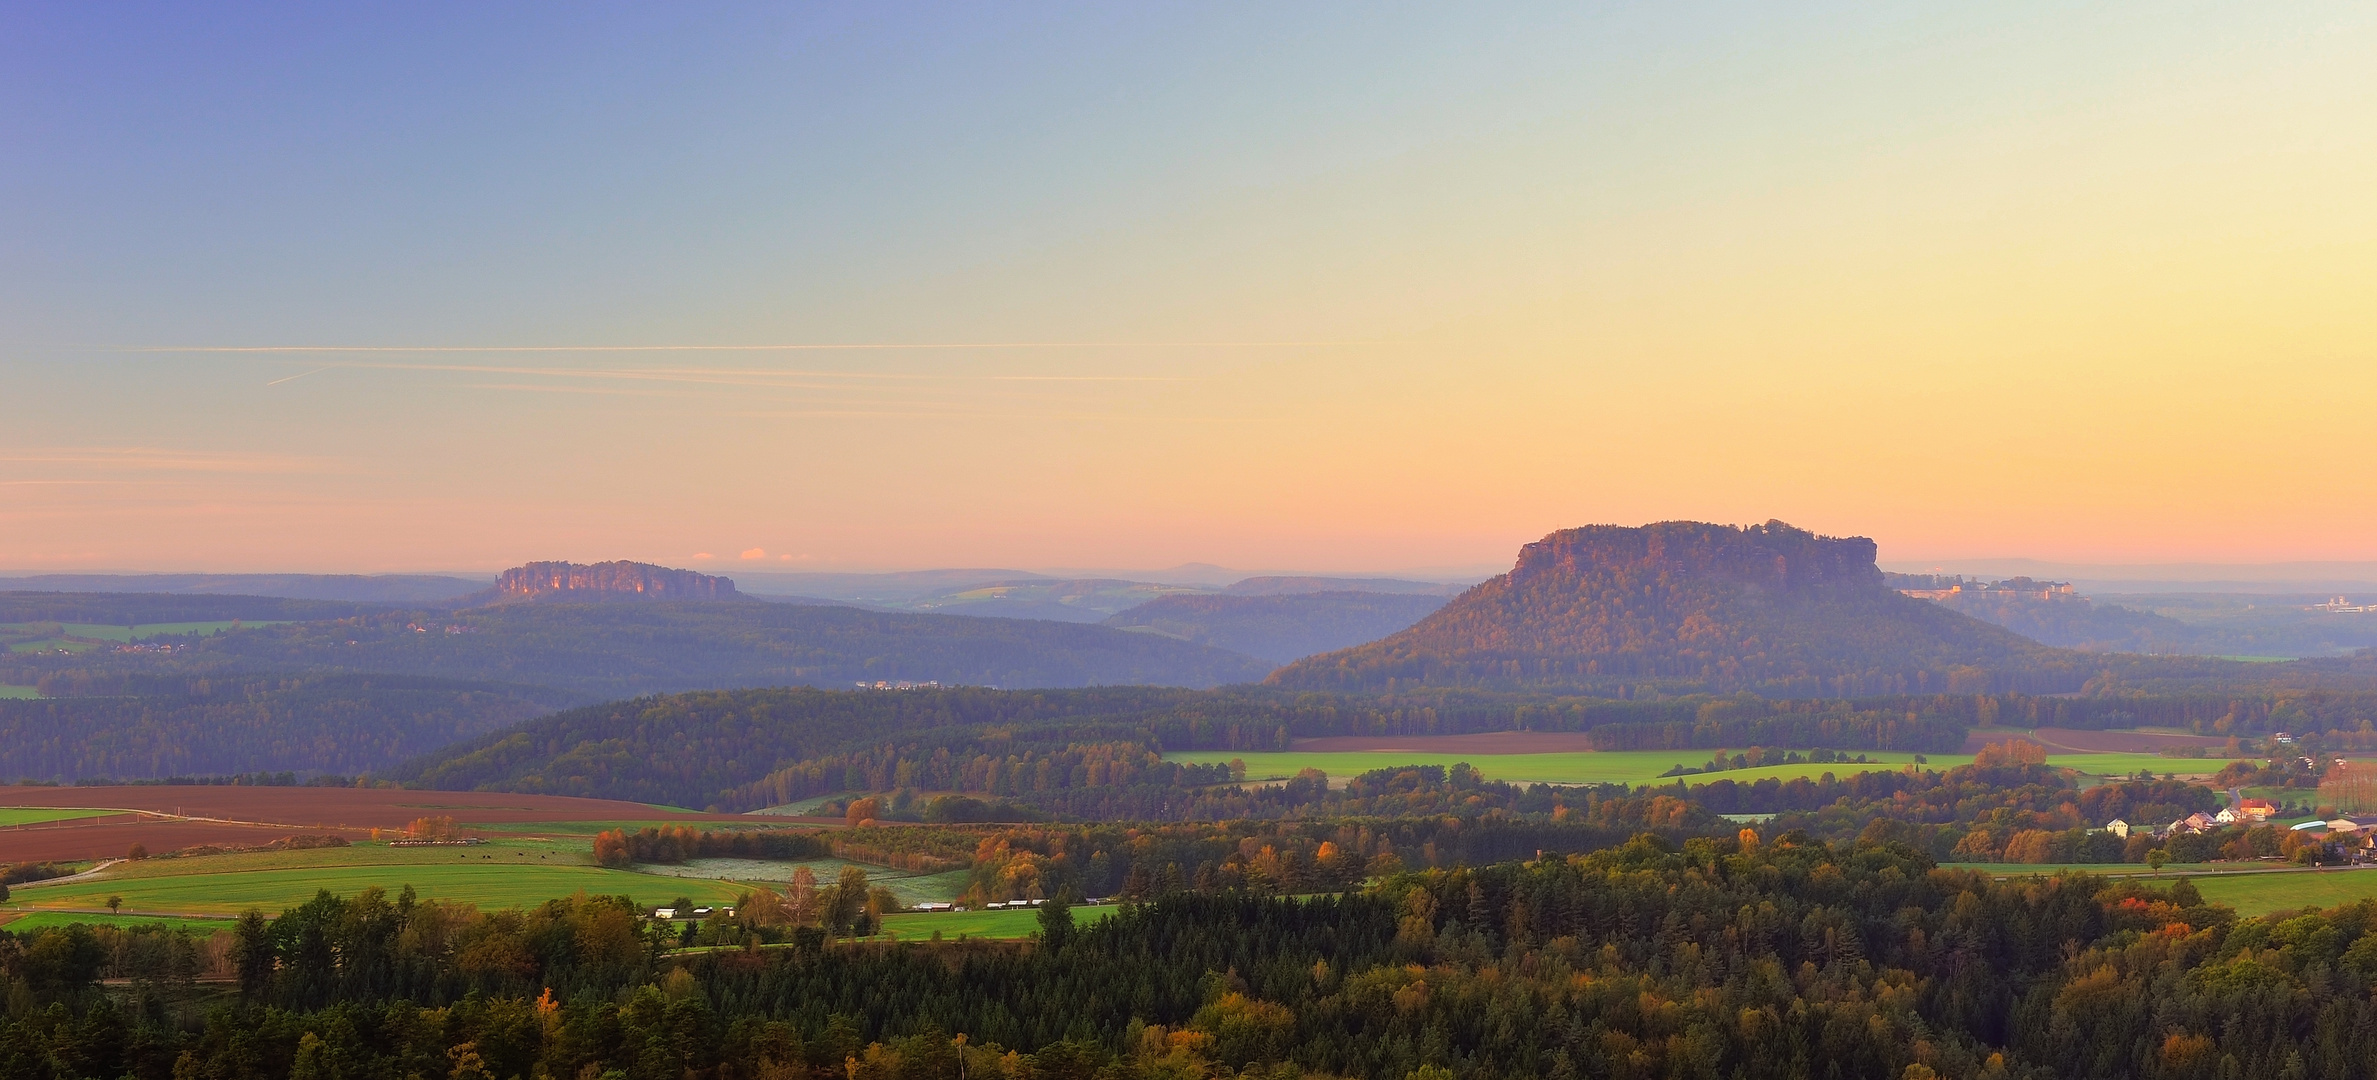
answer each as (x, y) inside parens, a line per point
(1572, 767)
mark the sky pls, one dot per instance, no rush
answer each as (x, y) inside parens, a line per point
(1336, 288)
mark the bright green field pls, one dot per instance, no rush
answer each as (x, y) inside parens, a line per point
(1015, 923)
(2260, 894)
(1578, 767)
(28, 815)
(499, 875)
(18, 693)
(48, 919)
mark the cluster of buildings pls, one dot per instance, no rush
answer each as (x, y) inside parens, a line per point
(2341, 605)
(2239, 811)
(2015, 588)
(903, 684)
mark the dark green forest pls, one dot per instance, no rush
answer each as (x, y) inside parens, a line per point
(147, 727)
(1742, 956)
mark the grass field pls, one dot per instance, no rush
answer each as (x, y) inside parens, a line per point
(1016, 923)
(1576, 767)
(509, 874)
(2260, 894)
(52, 645)
(18, 693)
(32, 815)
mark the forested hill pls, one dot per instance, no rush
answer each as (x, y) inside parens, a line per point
(618, 650)
(1693, 606)
(156, 727)
(1279, 627)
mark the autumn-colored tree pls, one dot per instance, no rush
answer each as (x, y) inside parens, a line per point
(863, 810)
(2350, 787)
(2011, 752)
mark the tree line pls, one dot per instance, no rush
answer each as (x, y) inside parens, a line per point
(1751, 955)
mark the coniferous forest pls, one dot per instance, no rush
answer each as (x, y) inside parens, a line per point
(1746, 955)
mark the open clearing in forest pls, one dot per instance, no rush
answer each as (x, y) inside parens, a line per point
(1571, 767)
(1004, 923)
(2260, 894)
(1567, 757)
(19, 693)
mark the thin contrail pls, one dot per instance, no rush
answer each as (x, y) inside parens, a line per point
(294, 378)
(722, 376)
(798, 347)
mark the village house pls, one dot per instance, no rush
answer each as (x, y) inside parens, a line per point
(2118, 828)
(2194, 823)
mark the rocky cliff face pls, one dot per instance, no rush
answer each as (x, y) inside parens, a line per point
(608, 581)
(1771, 556)
(1686, 606)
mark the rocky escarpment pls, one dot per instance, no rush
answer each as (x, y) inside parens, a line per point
(1686, 606)
(606, 581)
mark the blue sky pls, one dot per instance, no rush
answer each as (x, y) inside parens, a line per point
(1329, 287)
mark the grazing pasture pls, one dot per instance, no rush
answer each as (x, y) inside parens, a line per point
(495, 875)
(19, 693)
(2260, 894)
(1005, 923)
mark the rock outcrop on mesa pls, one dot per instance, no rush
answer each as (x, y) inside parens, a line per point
(1685, 606)
(595, 582)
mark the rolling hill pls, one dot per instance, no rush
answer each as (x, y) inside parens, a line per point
(612, 650)
(1279, 627)
(1687, 606)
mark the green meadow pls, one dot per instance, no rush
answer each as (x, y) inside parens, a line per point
(499, 875)
(1004, 923)
(2260, 894)
(18, 693)
(34, 815)
(1571, 767)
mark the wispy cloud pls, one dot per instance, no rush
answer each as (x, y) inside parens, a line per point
(154, 459)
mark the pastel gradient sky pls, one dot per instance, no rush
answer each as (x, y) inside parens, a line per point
(1328, 287)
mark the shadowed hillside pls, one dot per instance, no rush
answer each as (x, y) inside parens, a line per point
(1692, 606)
(1279, 628)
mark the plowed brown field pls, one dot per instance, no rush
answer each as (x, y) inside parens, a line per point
(172, 818)
(2072, 741)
